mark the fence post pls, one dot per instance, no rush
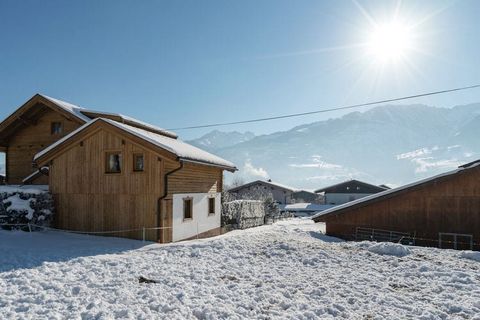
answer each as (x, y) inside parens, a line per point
(143, 234)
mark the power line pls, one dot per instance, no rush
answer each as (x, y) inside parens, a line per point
(328, 110)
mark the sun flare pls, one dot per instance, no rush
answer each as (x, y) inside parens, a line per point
(390, 42)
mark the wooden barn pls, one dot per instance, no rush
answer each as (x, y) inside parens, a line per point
(109, 172)
(440, 211)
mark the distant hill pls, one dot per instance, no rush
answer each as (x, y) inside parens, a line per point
(388, 144)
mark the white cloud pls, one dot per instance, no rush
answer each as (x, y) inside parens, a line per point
(316, 163)
(426, 164)
(415, 153)
(250, 170)
(330, 177)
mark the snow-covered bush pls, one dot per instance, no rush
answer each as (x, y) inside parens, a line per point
(250, 209)
(242, 214)
(23, 206)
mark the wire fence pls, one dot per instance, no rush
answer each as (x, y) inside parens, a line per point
(458, 241)
(34, 227)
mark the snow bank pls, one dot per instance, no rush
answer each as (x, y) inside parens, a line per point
(471, 255)
(287, 270)
(19, 205)
(389, 249)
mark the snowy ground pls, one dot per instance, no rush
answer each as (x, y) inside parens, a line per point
(287, 270)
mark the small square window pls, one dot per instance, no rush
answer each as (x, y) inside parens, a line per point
(187, 208)
(56, 128)
(113, 162)
(138, 162)
(211, 205)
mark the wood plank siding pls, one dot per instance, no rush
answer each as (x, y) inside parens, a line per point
(31, 138)
(89, 199)
(450, 205)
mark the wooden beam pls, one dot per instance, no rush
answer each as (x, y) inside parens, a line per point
(3, 149)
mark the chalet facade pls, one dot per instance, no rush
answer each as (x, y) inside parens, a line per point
(348, 191)
(440, 211)
(110, 172)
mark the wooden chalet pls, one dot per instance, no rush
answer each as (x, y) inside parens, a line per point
(109, 172)
(440, 211)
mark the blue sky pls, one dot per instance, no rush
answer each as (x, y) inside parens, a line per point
(180, 63)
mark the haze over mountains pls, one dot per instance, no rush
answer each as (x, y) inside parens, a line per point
(388, 144)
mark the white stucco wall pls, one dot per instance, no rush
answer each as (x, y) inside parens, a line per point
(201, 221)
(340, 198)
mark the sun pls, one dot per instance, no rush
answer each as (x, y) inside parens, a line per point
(390, 42)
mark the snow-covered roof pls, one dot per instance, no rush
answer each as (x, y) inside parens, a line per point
(183, 150)
(92, 114)
(269, 182)
(305, 207)
(332, 188)
(390, 192)
(86, 115)
(69, 107)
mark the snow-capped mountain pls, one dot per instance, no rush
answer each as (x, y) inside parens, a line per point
(218, 139)
(388, 144)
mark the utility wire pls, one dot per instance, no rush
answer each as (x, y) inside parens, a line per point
(353, 106)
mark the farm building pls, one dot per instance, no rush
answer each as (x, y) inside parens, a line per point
(280, 193)
(440, 211)
(111, 172)
(348, 191)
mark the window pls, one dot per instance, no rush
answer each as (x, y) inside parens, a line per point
(187, 208)
(138, 162)
(56, 128)
(113, 162)
(211, 205)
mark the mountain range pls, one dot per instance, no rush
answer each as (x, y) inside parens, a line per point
(393, 145)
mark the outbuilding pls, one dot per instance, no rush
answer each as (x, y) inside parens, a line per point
(348, 191)
(442, 211)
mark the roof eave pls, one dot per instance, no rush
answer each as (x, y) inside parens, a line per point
(224, 167)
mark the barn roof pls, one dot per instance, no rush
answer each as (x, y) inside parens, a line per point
(393, 192)
(343, 187)
(269, 183)
(183, 151)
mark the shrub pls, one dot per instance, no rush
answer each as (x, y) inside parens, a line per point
(23, 206)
